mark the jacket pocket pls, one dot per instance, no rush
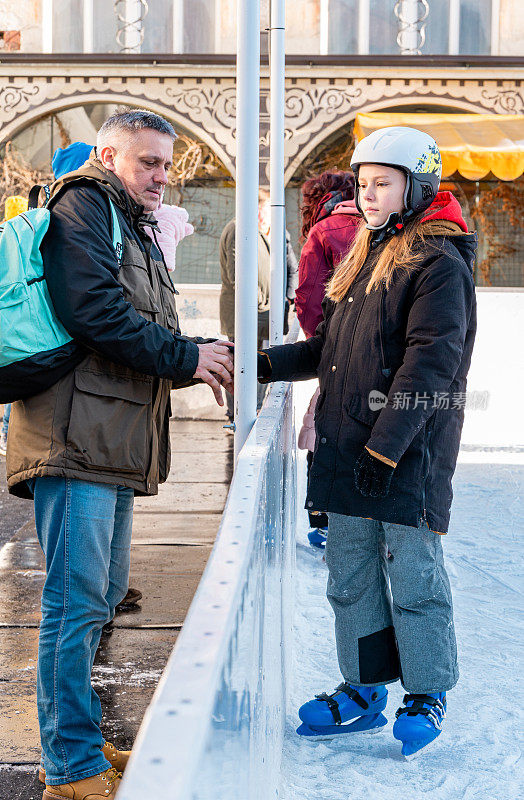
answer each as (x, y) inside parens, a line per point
(17, 329)
(110, 422)
(138, 290)
(318, 405)
(366, 408)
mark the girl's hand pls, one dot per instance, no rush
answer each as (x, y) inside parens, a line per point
(372, 476)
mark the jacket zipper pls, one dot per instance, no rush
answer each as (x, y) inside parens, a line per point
(426, 470)
(147, 247)
(351, 344)
(386, 371)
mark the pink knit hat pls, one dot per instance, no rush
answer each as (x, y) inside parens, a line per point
(173, 227)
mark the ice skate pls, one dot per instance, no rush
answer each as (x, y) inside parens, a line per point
(317, 538)
(347, 710)
(419, 721)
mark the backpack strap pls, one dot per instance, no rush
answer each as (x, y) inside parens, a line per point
(32, 199)
(116, 233)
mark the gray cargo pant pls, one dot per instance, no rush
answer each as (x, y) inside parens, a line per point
(392, 601)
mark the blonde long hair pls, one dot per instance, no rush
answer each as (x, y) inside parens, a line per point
(400, 254)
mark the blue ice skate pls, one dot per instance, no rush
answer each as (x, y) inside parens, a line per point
(419, 721)
(326, 716)
(317, 538)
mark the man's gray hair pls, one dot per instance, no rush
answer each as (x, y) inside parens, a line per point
(122, 122)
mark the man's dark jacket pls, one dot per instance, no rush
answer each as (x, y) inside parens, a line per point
(106, 421)
(416, 337)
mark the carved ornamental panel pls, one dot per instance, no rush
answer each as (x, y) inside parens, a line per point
(316, 107)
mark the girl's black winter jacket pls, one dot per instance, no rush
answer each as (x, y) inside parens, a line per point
(413, 344)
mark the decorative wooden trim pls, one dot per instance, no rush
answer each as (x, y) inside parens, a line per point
(319, 101)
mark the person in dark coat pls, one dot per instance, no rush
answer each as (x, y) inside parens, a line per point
(392, 355)
(330, 220)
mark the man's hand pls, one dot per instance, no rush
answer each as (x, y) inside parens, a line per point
(215, 367)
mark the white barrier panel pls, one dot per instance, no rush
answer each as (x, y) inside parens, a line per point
(496, 368)
(214, 728)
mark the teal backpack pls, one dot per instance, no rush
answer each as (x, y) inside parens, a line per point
(35, 348)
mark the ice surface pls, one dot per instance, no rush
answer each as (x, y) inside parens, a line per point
(478, 755)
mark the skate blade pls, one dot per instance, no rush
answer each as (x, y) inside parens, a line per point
(421, 751)
(328, 737)
(329, 732)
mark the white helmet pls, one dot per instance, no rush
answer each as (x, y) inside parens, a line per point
(410, 150)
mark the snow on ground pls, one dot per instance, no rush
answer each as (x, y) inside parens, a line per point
(478, 755)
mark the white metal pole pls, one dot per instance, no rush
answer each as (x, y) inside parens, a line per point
(363, 27)
(246, 236)
(133, 26)
(47, 26)
(88, 26)
(217, 21)
(454, 27)
(178, 26)
(324, 27)
(495, 27)
(408, 36)
(276, 167)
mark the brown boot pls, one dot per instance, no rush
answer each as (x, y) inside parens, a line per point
(99, 787)
(131, 599)
(117, 758)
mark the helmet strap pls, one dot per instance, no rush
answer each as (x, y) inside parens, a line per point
(394, 225)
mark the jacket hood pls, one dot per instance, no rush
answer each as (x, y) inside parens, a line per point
(94, 170)
(444, 218)
(347, 207)
(327, 204)
(68, 159)
(446, 207)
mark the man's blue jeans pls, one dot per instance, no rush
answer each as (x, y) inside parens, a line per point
(84, 530)
(5, 419)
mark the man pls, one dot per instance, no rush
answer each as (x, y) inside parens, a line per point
(100, 435)
(227, 275)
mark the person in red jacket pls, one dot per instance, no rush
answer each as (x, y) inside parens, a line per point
(329, 223)
(330, 220)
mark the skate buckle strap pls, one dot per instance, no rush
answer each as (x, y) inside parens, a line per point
(435, 713)
(333, 705)
(353, 695)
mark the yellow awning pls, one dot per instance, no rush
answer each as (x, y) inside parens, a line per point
(472, 144)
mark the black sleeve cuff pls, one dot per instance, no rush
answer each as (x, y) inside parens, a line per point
(264, 368)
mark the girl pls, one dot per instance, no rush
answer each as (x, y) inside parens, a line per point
(391, 355)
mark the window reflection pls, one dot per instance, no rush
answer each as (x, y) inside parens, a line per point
(343, 26)
(383, 27)
(475, 26)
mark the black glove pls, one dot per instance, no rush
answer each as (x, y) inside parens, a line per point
(372, 476)
(263, 367)
(263, 364)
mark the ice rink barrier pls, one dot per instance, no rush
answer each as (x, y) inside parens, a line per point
(215, 726)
